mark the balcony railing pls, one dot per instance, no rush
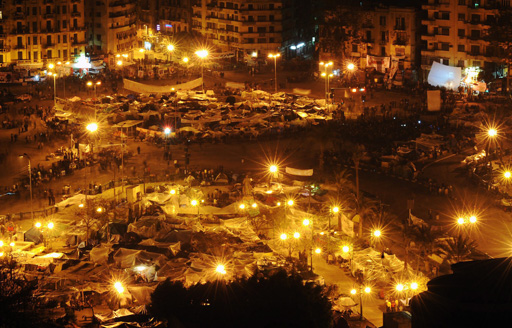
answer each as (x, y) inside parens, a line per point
(49, 15)
(20, 46)
(75, 14)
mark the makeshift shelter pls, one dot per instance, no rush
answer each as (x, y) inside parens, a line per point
(33, 235)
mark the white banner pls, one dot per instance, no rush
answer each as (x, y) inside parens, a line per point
(303, 173)
(148, 88)
(235, 85)
(380, 63)
(444, 76)
(302, 92)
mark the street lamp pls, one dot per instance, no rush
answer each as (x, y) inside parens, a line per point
(54, 86)
(366, 290)
(119, 287)
(170, 49)
(195, 203)
(25, 155)
(221, 269)
(92, 127)
(326, 75)
(347, 249)
(335, 210)
(202, 54)
(275, 56)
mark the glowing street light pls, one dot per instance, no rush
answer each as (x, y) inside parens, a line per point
(92, 127)
(185, 60)
(296, 235)
(170, 49)
(202, 54)
(119, 287)
(351, 66)
(1, 243)
(290, 202)
(318, 250)
(507, 175)
(242, 206)
(492, 132)
(345, 249)
(50, 225)
(335, 209)
(275, 56)
(173, 191)
(353, 291)
(283, 236)
(254, 205)
(51, 66)
(194, 202)
(461, 221)
(326, 75)
(399, 287)
(99, 210)
(273, 168)
(414, 285)
(377, 233)
(220, 269)
(306, 222)
(472, 219)
(119, 63)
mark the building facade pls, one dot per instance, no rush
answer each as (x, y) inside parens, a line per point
(175, 16)
(454, 33)
(36, 32)
(112, 27)
(239, 26)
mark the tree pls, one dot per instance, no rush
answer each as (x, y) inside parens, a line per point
(426, 239)
(459, 248)
(280, 300)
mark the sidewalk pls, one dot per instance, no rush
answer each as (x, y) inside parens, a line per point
(332, 274)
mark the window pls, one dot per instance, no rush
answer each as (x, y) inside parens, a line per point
(355, 48)
(34, 40)
(34, 11)
(75, 23)
(34, 27)
(49, 54)
(250, 29)
(20, 41)
(445, 15)
(475, 18)
(65, 54)
(383, 51)
(250, 19)
(462, 17)
(98, 37)
(20, 55)
(271, 6)
(383, 36)
(271, 29)
(271, 18)
(475, 50)
(445, 31)
(48, 10)
(445, 46)
(76, 51)
(475, 34)
(250, 6)
(74, 8)
(262, 40)
(65, 38)
(400, 23)
(382, 20)
(262, 18)
(368, 36)
(48, 39)
(271, 40)
(476, 63)
(58, 38)
(48, 25)
(262, 29)
(460, 63)
(58, 53)
(64, 24)
(462, 2)
(28, 41)
(461, 48)
(64, 9)
(250, 40)
(35, 55)
(1, 58)
(461, 33)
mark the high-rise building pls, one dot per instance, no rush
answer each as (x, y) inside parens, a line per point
(36, 32)
(112, 26)
(454, 34)
(175, 16)
(241, 26)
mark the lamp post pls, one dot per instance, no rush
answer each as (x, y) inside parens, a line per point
(492, 134)
(202, 54)
(170, 49)
(326, 74)
(94, 84)
(367, 290)
(347, 249)
(25, 155)
(275, 56)
(54, 86)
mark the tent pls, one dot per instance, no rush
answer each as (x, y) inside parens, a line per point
(33, 235)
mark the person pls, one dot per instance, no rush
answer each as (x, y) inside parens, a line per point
(138, 150)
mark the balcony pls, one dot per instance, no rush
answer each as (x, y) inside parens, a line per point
(365, 40)
(75, 14)
(20, 46)
(49, 15)
(19, 15)
(48, 45)
(47, 1)
(5, 49)
(400, 42)
(368, 25)
(78, 43)
(75, 1)
(20, 31)
(399, 28)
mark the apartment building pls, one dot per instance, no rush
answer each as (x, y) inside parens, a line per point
(240, 26)
(454, 34)
(112, 27)
(35, 32)
(175, 16)
(383, 34)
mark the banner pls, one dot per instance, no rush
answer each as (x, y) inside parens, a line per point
(394, 67)
(235, 85)
(434, 100)
(380, 63)
(302, 92)
(303, 173)
(444, 76)
(347, 226)
(148, 88)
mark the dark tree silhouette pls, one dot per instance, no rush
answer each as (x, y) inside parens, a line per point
(280, 300)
